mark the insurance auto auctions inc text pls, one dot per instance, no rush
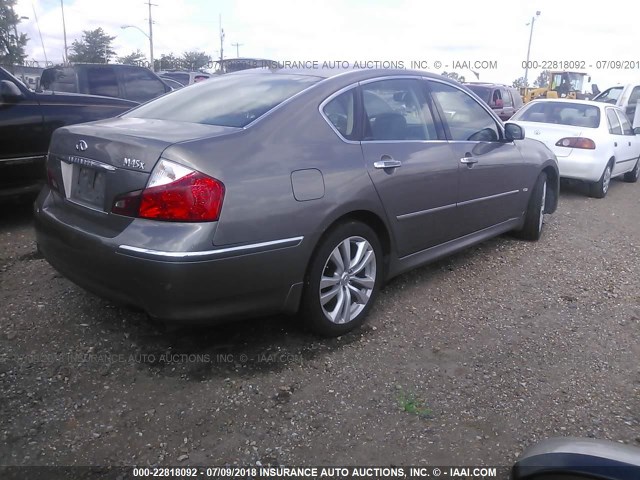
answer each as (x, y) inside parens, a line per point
(369, 64)
(354, 472)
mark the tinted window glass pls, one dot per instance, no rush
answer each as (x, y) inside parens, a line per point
(59, 79)
(183, 78)
(506, 97)
(102, 81)
(614, 123)
(635, 96)
(230, 100)
(610, 96)
(341, 113)
(562, 113)
(483, 92)
(625, 124)
(397, 110)
(466, 118)
(141, 85)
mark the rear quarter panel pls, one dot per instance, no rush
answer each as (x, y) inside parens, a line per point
(256, 166)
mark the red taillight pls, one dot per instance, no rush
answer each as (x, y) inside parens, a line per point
(193, 198)
(51, 180)
(576, 142)
(174, 193)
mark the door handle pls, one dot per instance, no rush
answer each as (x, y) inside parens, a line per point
(468, 160)
(387, 163)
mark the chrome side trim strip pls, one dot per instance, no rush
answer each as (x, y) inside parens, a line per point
(22, 159)
(87, 162)
(490, 197)
(210, 254)
(424, 212)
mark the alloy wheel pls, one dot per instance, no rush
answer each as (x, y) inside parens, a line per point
(348, 279)
(543, 201)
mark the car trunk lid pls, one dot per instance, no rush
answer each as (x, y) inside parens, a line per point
(549, 134)
(92, 164)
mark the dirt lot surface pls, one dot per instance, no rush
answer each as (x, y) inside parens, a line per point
(465, 361)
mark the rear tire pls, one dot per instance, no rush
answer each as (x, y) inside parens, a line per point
(633, 175)
(343, 279)
(534, 216)
(600, 188)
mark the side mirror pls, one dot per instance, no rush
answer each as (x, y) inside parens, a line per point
(595, 89)
(513, 132)
(636, 131)
(9, 91)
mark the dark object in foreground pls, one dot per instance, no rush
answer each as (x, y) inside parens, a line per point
(569, 458)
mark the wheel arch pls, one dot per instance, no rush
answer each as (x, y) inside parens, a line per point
(553, 190)
(369, 218)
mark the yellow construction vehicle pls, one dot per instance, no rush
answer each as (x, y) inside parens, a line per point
(561, 84)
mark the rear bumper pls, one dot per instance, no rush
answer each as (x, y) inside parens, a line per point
(216, 285)
(582, 165)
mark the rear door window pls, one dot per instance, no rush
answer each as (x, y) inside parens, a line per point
(625, 124)
(506, 97)
(397, 110)
(141, 85)
(614, 122)
(102, 81)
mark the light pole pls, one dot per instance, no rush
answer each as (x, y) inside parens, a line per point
(64, 32)
(150, 41)
(526, 66)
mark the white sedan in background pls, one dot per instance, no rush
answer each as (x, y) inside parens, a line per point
(593, 141)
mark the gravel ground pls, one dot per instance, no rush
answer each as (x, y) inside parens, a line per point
(465, 361)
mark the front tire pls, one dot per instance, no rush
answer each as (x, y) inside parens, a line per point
(633, 175)
(343, 280)
(600, 188)
(534, 216)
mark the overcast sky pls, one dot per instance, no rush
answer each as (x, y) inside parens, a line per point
(357, 30)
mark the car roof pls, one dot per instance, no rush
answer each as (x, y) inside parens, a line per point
(357, 73)
(571, 100)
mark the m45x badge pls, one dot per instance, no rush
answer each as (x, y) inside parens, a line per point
(133, 163)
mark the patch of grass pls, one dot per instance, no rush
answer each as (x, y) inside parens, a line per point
(410, 403)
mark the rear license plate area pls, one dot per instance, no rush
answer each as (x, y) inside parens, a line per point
(88, 186)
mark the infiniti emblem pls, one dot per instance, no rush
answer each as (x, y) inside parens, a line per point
(81, 146)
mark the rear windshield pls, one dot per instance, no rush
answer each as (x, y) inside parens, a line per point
(574, 114)
(183, 78)
(483, 92)
(228, 100)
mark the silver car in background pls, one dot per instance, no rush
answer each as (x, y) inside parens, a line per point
(283, 191)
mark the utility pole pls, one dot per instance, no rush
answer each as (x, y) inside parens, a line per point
(221, 44)
(64, 31)
(526, 69)
(237, 45)
(153, 67)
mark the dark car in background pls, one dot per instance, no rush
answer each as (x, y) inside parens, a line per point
(130, 82)
(504, 100)
(185, 78)
(27, 120)
(275, 190)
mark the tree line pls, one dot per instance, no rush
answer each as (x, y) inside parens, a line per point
(95, 46)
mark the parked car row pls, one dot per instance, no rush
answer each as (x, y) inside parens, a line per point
(27, 120)
(594, 142)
